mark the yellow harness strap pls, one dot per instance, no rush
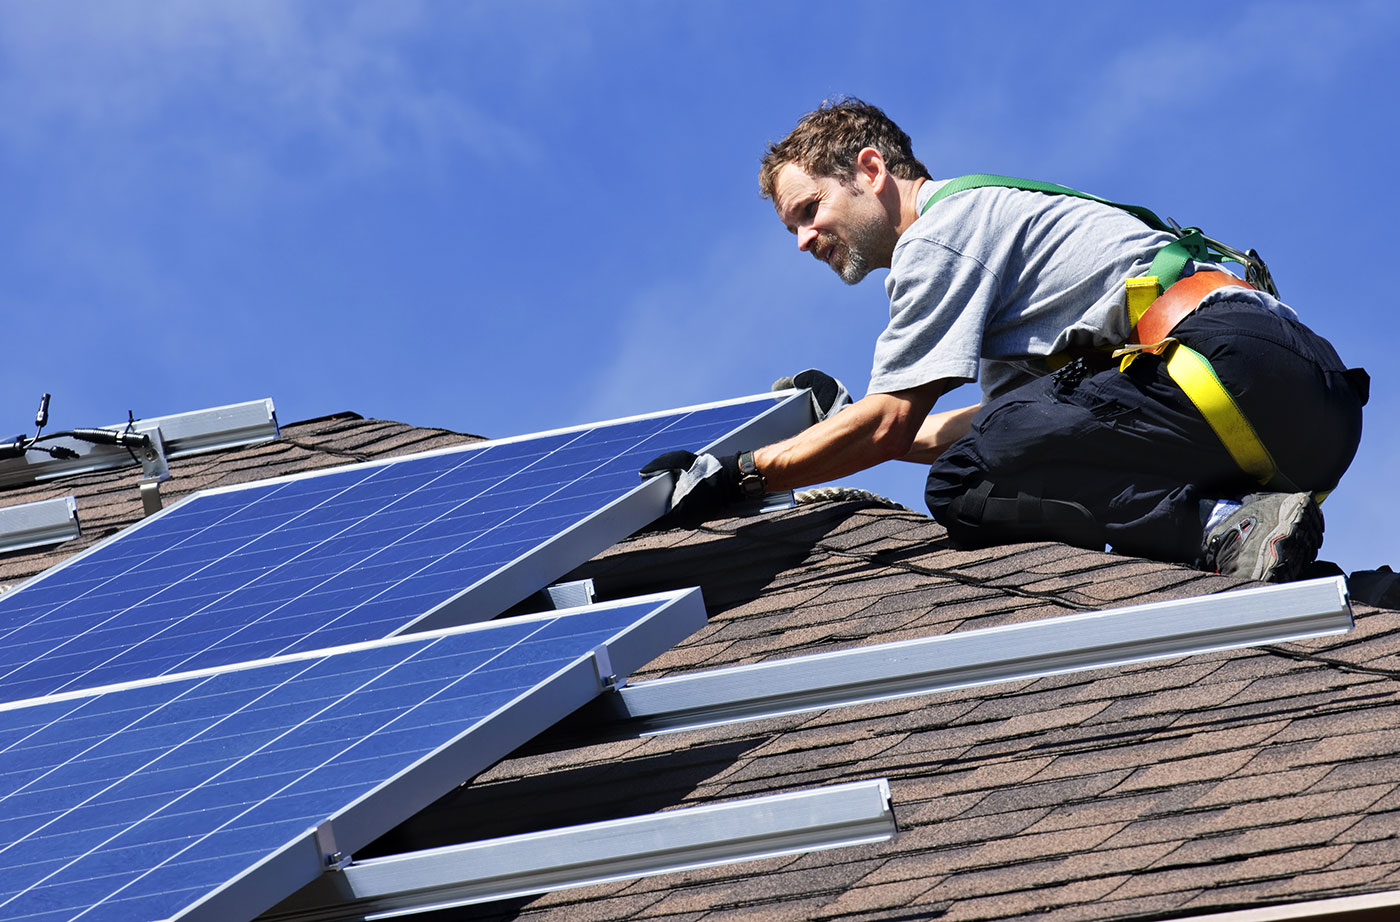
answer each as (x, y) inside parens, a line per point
(1194, 375)
(1141, 293)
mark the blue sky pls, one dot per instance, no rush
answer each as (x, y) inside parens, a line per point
(501, 217)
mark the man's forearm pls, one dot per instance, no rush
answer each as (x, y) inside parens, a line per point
(870, 431)
(938, 432)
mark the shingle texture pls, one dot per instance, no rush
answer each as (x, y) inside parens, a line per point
(1153, 791)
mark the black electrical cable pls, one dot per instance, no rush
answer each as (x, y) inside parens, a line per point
(20, 444)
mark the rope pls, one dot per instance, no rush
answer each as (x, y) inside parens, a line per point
(846, 495)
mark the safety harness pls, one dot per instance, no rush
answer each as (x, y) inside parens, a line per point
(1161, 299)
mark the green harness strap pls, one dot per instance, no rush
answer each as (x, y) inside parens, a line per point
(1170, 260)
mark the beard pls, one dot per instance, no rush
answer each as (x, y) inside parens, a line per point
(852, 259)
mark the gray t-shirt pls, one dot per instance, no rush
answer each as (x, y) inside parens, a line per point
(988, 282)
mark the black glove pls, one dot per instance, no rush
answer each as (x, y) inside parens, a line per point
(829, 396)
(704, 484)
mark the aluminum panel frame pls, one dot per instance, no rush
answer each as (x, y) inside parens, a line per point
(659, 843)
(616, 504)
(635, 510)
(790, 414)
(48, 521)
(1071, 643)
(346, 802)
(678, 615)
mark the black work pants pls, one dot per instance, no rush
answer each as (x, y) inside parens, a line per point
(1133, 450)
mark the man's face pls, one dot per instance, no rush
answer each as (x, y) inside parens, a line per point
(841, 224)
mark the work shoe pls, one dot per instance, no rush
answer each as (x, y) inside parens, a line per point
(1272, 537)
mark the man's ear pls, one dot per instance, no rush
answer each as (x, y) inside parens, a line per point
(870, 166)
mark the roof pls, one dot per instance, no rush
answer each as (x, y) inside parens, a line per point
(1186, 787)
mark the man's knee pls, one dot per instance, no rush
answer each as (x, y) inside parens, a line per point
(979, 517)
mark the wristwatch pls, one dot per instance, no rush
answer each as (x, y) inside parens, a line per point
(751, 482)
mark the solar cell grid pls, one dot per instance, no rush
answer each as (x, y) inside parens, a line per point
(336, 557)
(138, 802)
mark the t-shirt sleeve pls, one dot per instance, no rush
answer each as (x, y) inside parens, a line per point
(940, 301)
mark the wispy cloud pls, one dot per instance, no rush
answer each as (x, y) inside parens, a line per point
(231, 89)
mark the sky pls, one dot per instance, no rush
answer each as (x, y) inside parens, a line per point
(505, 217)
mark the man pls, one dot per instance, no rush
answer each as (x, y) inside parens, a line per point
(1003, 286)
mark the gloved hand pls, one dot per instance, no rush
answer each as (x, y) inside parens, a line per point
(704, 484)
(829, 396)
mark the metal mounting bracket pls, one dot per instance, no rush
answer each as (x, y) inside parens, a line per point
(155, 469)
(574, 594)
(608, 678)
(331, 856)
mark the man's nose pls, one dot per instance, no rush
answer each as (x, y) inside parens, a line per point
(805, 236)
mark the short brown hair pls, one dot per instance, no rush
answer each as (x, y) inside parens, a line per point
(827, 140)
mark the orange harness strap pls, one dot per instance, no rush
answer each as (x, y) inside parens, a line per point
(1178, 301)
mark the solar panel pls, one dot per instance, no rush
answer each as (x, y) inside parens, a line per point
(214, 795)
(355, 553)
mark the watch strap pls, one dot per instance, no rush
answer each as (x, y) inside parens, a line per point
(751, 481)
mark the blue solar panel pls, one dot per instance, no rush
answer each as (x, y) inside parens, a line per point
(349, 555)
(198, 797)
